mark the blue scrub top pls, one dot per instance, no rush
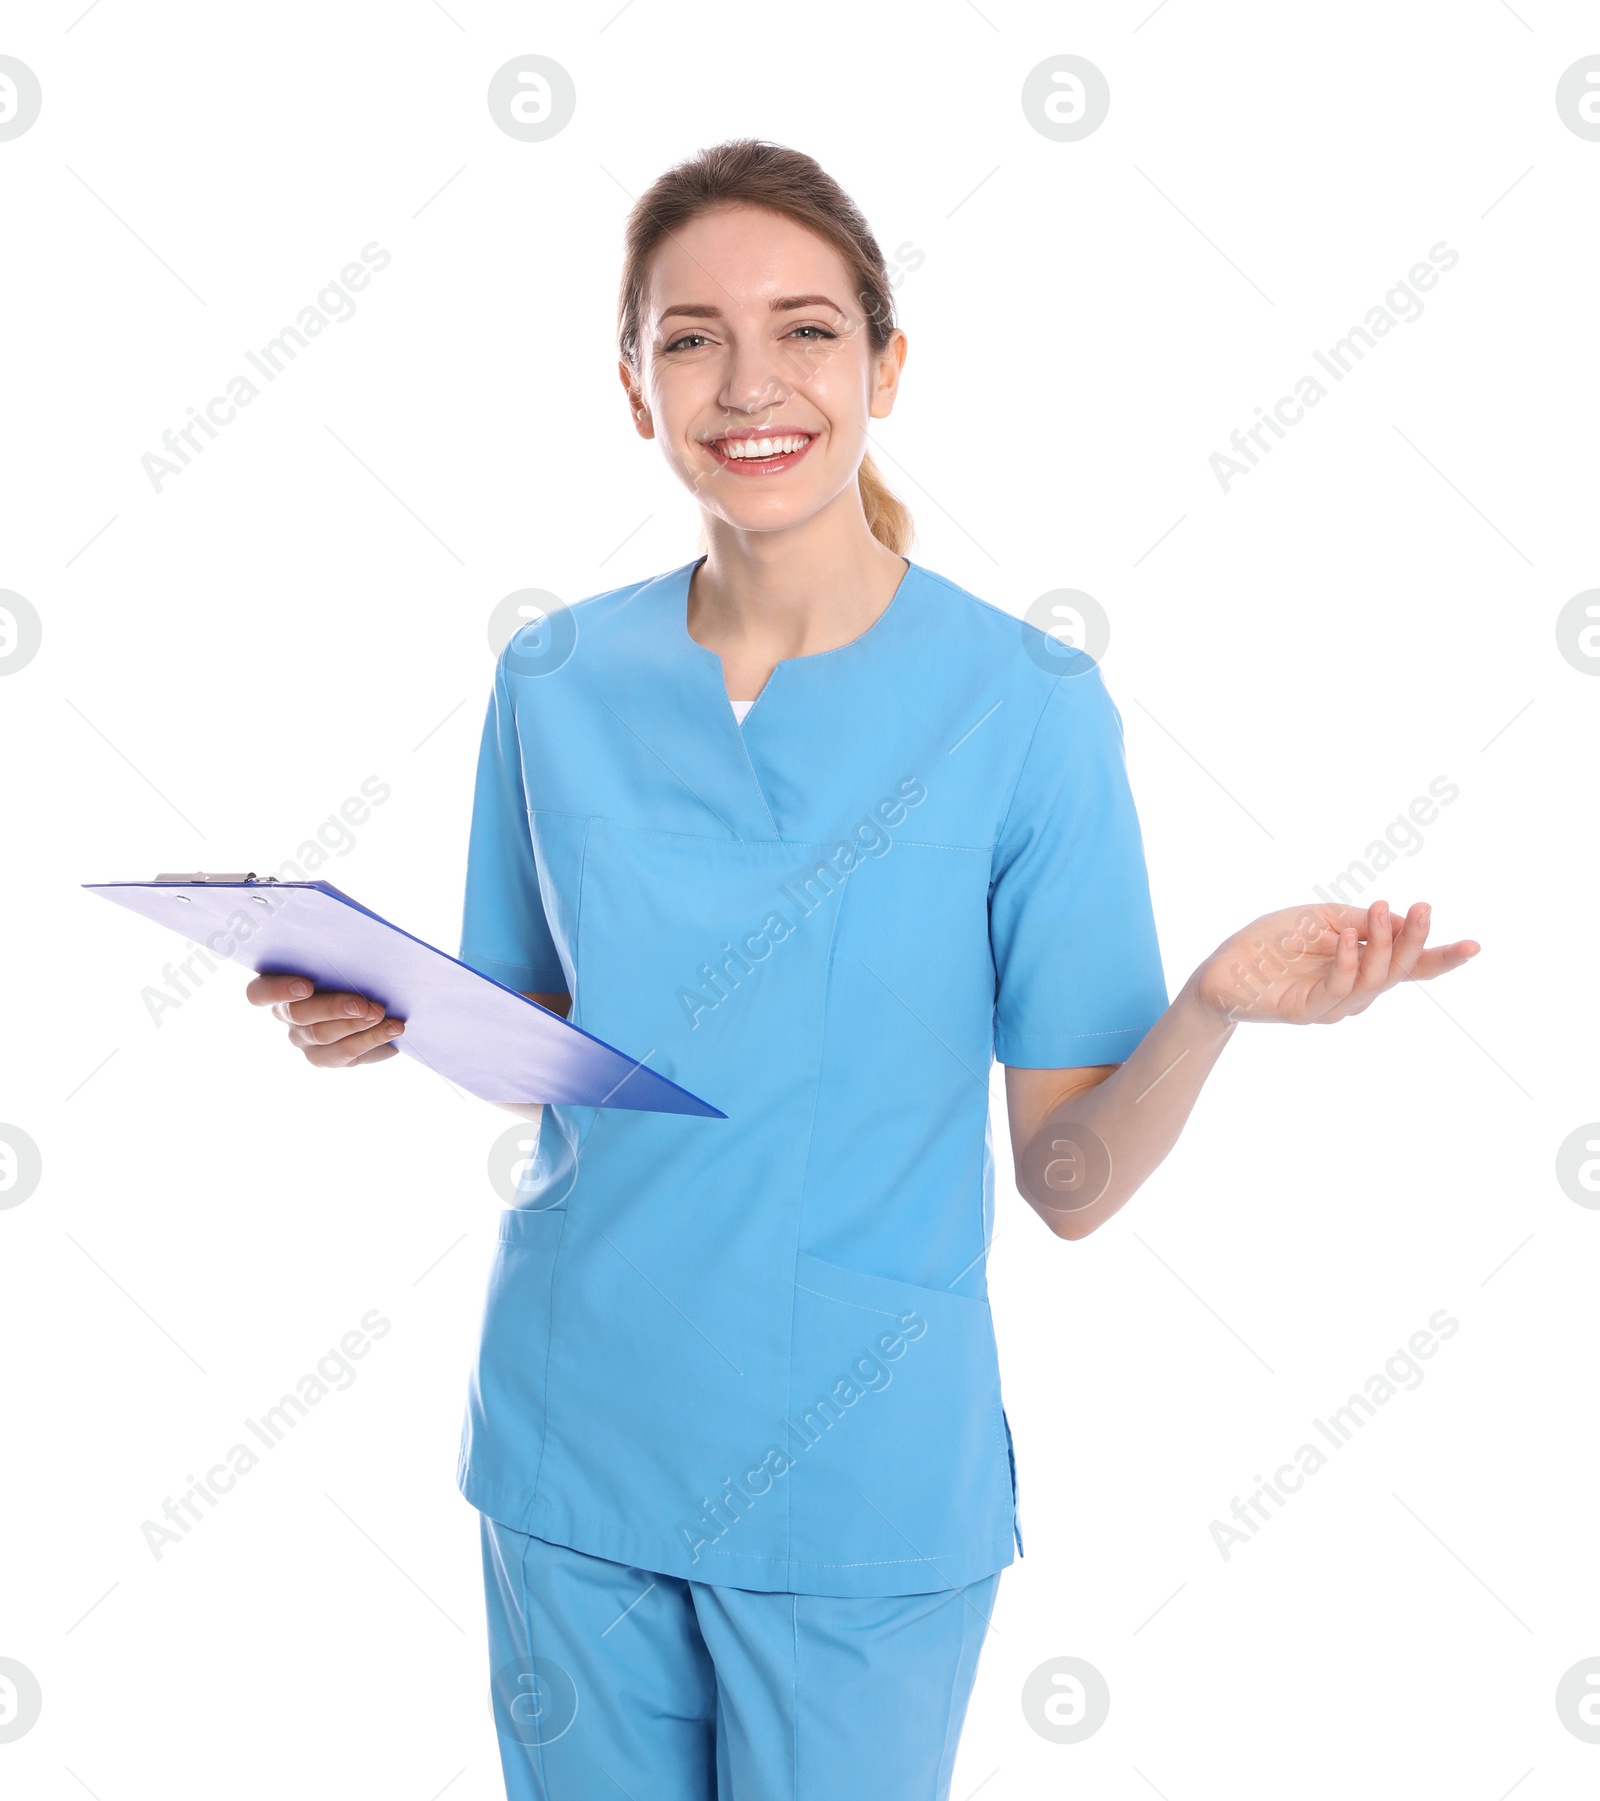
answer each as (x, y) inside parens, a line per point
(758, 1351)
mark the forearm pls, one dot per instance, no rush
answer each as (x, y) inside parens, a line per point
(1091, 1152)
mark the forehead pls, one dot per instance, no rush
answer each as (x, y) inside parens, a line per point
(740, 258)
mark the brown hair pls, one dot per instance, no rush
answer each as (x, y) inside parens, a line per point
(751, 172)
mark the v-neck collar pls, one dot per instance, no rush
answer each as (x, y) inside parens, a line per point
(680, 609)
(673, 698)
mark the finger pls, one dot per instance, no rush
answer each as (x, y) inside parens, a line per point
(1374, 971)
(335, 1031)
(380, 1055)
(267, 991)
(337, 1005)
(1445, 958)
(353, 1048)
(1340, 980)
(1408, 946)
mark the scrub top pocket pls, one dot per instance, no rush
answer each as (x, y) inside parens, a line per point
(894, 1426)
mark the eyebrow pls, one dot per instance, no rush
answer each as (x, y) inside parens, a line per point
(788, 303)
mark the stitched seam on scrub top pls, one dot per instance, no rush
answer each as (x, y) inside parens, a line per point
(864, 1306)
(1004, 1448)
(577, 924)
(975, 600)
(755, 780)
(555, 1255)
(860, 1563)
(799, 1212)
(735, 843)
(732, 844)
(1005, 818)
(549, 1355)
(977, 850)
(506, 963)
(1111, 1032)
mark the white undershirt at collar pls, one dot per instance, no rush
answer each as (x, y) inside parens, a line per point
(740, 708)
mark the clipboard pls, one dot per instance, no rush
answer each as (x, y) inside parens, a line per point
(467, 1027)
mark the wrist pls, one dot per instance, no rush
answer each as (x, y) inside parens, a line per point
(1207, 1001)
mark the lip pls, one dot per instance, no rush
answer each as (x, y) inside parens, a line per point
(766, 465)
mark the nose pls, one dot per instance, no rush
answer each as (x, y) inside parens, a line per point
(754, 382)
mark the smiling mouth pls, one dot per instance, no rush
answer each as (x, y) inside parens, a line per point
(760, 453)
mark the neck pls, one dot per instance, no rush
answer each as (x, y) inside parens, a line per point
(761, 596)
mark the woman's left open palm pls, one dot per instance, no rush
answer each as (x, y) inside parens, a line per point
(1317, 964)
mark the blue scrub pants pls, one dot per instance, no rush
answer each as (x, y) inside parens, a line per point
(609, 1680)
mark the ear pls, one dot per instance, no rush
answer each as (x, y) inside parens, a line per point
(886, 376)
(642, 422)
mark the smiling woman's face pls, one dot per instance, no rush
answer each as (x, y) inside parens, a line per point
(757, 374)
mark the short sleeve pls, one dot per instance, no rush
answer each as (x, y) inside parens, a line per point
(1077, 966)
(504, 932)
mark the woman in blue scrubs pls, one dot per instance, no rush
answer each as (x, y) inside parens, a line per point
(820, 836)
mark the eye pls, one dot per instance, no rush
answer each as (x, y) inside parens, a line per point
(821, 332)
(696, 337)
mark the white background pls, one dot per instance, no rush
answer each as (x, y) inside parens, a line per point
(225, 661)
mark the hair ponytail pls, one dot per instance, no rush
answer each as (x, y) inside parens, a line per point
(888, 516)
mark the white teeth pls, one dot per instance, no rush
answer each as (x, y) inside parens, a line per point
(742, 449)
